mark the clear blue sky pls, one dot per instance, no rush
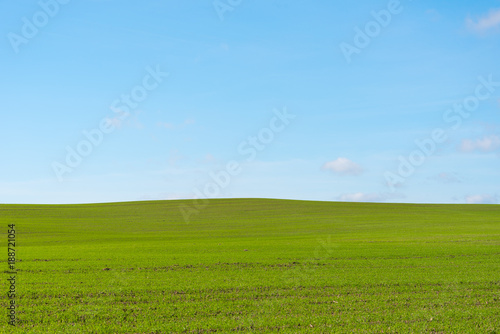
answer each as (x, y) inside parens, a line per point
(313, 100)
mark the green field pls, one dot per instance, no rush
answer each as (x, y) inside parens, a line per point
(255, 266)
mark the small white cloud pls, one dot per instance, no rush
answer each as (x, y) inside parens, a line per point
(360, 197)
(485, 23)
(368, 197)
(343, 166)
(486, 144)
(481, 199)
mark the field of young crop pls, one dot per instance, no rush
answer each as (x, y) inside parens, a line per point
(255, 266)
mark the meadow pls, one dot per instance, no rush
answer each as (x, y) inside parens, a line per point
(254, 266)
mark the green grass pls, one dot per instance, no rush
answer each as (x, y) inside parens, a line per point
(256, 266)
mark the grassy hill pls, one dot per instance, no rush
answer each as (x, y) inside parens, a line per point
(255, 265)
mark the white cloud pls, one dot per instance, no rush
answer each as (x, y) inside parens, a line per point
(481, 199)
(368, 197)
(486, 144)
(485, 23)
(343, 166)
(361, 197)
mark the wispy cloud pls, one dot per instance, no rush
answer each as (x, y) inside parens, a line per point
(165, 125)
(446, 178)
(170, 126)
(343, 166)
(486, 144)
(368, 197)
(433, 15)
(209, 159)
(481, 199)
(485, 23)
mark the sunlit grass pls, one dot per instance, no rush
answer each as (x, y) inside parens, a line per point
(257, 266)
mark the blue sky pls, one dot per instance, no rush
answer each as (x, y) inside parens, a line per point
(109, 100)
